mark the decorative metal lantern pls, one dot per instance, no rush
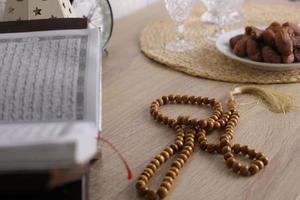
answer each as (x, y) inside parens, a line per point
(37, 9)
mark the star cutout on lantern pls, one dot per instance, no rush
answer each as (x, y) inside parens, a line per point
(37, 11)
(53, 17)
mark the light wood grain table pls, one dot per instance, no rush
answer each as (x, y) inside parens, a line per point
(131, 82)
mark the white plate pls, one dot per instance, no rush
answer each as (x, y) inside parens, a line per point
(224, 47)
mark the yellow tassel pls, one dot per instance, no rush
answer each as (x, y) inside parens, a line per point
(277, 102)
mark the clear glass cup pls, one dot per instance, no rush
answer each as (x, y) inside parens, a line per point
(233, 12)
(223, 10)
(179, 11)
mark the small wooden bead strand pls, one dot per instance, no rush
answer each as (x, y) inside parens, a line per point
(177, 164)
(190, 129)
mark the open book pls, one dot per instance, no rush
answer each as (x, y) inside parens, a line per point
(49, 99)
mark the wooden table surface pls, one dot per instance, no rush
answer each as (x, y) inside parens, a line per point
(131, 82)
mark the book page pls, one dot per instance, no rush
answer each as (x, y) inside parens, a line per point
(42, 77)
(50, 98)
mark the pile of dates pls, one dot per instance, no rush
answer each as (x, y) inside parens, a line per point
(279, 43)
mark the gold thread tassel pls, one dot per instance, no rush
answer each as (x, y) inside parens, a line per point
(276, 102)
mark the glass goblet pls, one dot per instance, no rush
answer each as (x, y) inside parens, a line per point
(221, 8)
(233, 13)
(179, 11)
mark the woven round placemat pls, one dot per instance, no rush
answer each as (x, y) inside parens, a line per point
(205, 61)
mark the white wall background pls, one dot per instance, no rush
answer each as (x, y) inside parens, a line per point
(124, 7)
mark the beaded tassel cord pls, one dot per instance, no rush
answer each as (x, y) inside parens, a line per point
(188, 132)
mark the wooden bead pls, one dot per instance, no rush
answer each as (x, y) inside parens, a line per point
(217, 125)
(199, 100)
(165, 154)
(186, 120)
(210, 125)
(244, 170)
(174, 147)
(151, 195)
(160, 101)
(192, 99)
(190, 139)
(264, 160)
(165, 120)
(147, 174)
(171, 97)
(176, 164)
(231, 124)
(169, 150)
(168, 179)
(180, 135)
(154, 114)
(178, 99)
(205, 100)
(142, 191)
(162, 192)
(235, 121)
(175, 170)
(226, 149)
(165, 99)
(152, 167)
(171, 174)
(228, 155)
(194, 122)
(190, 149)
(180, 119)
(140, 184)
(244, 149)
(181, 161)
(258, 155)
(179, 143)
(230, 161)
(218, 148)
(186, 152)
(222, 122)
(155, 162)
(211, 148)
(166, 184)
(185, 99)
(201, 139)
(183, 157)
(225, 136)
(218, 113)
(202, 124)
(229, 131)
(190, 135)
(230, 135)
(161, 159)
(178, 127)
(254, 169)
(171, 123)
(224, 142)
(236, 148)
(259, 163)
(215, 118)
(143, 178)
(212, 102)
(150, 171)
(159, 118)
(203, 145)
(190, 143)
(251, 153)
(236, 166)
(201, 132)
